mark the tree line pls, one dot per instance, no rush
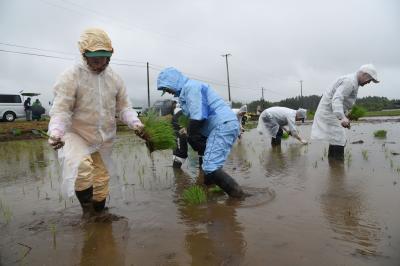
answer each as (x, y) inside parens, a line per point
(370, 103)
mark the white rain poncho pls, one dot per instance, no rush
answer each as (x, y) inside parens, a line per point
(335, 102)
(273, 118)
(84, 110)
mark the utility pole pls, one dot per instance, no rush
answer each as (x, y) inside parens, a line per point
(301, 93)
(227, 74)
(262, 97)
(148, 86)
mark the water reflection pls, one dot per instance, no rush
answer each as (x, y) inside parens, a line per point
(104, 243)
(213, 235)
(346, 211)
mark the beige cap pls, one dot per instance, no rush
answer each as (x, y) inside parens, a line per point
(370, 69)
(94, 39)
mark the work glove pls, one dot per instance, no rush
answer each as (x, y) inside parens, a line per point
(55, 139)
(138, 128)
(345, 122)
(183, 132)
(195, 138)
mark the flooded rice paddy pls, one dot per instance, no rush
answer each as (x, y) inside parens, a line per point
(304, 210)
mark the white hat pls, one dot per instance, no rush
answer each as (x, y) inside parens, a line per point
(370, 70)
(301, 113)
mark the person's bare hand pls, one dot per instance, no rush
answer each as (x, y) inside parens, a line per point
(345, 122)
(183, 132)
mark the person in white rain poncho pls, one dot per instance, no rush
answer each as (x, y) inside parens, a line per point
(240, 114)
(87, 99)
(330, 119)
(272, 121)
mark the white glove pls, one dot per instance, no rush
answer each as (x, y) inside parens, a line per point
(183, 132)
(303, 141)
(345, 122)
(55, 139)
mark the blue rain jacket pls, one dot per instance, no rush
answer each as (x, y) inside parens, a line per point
(198, 100)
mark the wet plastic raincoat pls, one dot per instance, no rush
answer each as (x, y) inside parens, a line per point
(273, 118)
(84, 113)
(334, 103)
(199, 102)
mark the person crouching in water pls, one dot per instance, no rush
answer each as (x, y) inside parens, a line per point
(209, 116)
(272, 121)
(87, 99)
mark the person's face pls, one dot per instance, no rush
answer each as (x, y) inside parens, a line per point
(364, 79)
(168, 90)
(97, 64)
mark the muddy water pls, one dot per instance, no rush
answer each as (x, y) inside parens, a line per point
(305, 209)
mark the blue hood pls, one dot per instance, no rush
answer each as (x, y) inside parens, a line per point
(171, 78)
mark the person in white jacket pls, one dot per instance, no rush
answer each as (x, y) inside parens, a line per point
(82, 127)
(330, 119)
(272, 121)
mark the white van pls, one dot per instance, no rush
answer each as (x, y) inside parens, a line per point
(11, 107)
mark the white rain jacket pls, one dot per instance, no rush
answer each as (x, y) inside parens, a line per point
(273, 118)
(84, 112)
(335, 102)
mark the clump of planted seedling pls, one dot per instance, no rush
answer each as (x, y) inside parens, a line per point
(348, 157)
(194, 195)
(183, 121)
(53, 230)
(215, 189)
(285, 135)
(365, 154)
(380, 134)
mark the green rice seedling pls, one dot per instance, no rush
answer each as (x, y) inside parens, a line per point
(325, 152)
(365, 154)
(53, 230)
(183, 121)
(357, 112)
(380, 134)
(315, 165)
(215, 189)
(194, 195)
(16, 131)
(285, 135)
(158, 133)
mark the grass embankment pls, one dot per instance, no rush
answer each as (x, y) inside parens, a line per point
(384, 113)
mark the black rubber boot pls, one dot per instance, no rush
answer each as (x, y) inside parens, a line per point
(225, 182)
(336, 152)
(278, 138)
(176, 164)
(98, 206)
(85, 199)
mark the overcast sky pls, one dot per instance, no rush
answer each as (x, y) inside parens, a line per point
(273, 44)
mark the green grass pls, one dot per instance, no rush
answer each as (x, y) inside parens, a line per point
(159, 132)
(384, 113)
(194, 195)
(380, 133)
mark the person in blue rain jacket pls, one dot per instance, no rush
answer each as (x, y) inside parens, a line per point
(210, 117)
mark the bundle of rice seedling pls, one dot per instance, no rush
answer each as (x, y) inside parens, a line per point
(194, 195)
(158, 132)
(183, 121)
(380, 133)
(285, 135)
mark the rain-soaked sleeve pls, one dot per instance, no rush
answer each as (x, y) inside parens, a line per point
(124, 108)
(292, 125)
(196, 102)
(63, 103)
(343, 91)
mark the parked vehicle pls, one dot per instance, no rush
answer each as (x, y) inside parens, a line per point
(11, 107)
